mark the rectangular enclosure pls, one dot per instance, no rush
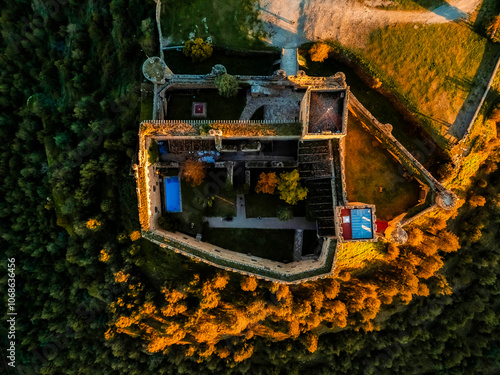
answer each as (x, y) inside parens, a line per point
(172, 194)
(326, 112)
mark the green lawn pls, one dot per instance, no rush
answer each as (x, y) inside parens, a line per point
(369, 167)
(274, 244)
(230, 23)
(267, 205)
(223, 205)
(159, 265)
(146, 102)
(433, 66)
(218, 108)
(235, 63)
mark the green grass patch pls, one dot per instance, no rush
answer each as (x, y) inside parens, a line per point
(273, 244)
(146, 102)
(224, 204)
(373, 176)
(358, 255)
(230, 23)
(218, 108)
(235, 62)
(157, 265)
(433, 66)
(267, 205)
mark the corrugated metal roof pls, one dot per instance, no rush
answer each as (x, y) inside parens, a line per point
(361, 223)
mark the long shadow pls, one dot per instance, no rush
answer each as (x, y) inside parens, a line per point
(441, 8)
(479, 83)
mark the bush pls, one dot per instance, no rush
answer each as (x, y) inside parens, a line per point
(168, 223)
(495, 114)
(493, 29)
(153, 152)
(227, 85)
(198, 50)
(319, 52)
(285, 213)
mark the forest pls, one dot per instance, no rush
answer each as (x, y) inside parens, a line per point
(88, 295)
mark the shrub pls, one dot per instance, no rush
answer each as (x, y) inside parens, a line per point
(168, 223)
(153, 152)
(227, 85)
(493, 29)
(197, 49)
(285, 213)
(319, 52)
(495, 114)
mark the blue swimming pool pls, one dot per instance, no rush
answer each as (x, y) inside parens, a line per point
(172, 194)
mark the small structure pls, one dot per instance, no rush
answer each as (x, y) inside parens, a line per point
(199, 109)
(156, 70)
(357, 223)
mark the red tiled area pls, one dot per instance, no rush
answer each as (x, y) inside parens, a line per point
(345, 216)
(381, 226)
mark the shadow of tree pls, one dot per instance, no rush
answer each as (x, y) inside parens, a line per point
(441, 8)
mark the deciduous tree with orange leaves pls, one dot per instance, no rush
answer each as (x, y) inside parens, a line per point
(267, 183)
(194, 172)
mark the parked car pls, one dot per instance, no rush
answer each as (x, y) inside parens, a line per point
(227, 218)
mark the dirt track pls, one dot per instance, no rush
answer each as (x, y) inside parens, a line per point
(292, 22)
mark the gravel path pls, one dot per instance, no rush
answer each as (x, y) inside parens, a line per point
(241, 221)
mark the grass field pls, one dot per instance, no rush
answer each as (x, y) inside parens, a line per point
(159, 265)
(434, 66)
(369, 167)
(179, 106)
(235, 63)
(267, 205)
(274, 244)
(230, 23)
(357, 255)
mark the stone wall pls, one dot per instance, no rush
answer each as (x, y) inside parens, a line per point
(248, 265)
(393, 145)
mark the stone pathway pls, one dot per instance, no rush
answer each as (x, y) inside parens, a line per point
(241, 221)
(283, 107)
(289, 61)
(297, 247)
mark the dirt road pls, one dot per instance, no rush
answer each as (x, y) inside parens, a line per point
(293, 22)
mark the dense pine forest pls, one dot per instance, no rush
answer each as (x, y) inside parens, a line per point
(86, 301)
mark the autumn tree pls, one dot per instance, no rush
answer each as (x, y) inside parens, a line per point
(495, 113)
(319, 52)
(291, 191)
(493, 29)
(194, 172)
(227, 85)
(477, 200)
(267, 183)
(197, 49)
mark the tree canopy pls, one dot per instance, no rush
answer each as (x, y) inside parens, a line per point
(291, 191)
